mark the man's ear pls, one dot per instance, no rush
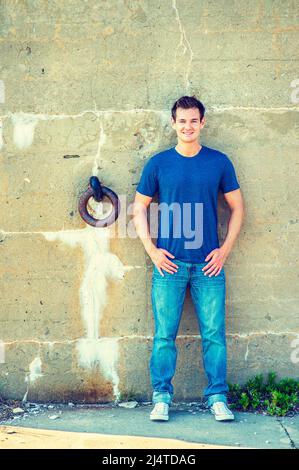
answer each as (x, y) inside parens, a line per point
(172, 123)
(202, 122)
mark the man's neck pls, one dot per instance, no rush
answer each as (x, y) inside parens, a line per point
(188, 150)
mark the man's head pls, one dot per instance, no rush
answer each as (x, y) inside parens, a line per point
(188, 118)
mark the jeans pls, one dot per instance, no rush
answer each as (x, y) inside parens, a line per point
(208, 296)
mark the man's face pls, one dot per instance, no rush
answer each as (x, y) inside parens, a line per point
(187, 124)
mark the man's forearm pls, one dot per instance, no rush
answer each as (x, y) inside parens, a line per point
(142, 230)
(234, 227)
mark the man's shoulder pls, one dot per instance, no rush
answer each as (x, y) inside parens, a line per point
(221, 157)
(158, 158)
(162, 154)
(215, 152)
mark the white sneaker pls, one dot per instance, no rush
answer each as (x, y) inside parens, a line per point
(160, 412)
(221, 411)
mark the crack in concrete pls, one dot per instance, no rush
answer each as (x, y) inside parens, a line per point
(119, 338)
(185, 44)
(163, 113)
(278, 109)
(35, 341)
(247, 351)
(102, 140)
(24, 123)
(292, 443)
(98, 113)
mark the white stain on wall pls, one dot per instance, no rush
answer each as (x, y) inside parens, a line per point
(2, 352)
(102, 351)
(35, 372)
(1, 134)
(2, 100)
(100, 267)
(101, 143)
(2, 92)
(23, 133)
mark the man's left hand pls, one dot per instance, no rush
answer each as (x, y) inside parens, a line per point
(217, 259)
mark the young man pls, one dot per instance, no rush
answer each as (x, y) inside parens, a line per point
(187, 178)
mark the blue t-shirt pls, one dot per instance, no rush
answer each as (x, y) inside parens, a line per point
(187, 190)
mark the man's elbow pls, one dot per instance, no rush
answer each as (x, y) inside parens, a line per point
(239, 210)
(138, 212)
(139, 208)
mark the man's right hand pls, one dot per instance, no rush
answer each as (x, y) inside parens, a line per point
(160, 260)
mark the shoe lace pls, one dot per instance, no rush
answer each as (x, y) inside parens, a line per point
(161, 407)
(220, 407)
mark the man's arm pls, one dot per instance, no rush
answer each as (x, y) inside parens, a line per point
(218, 256)
(235, 201)
(141, 204)
(157, 255)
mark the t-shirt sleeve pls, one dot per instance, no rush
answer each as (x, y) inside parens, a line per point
(229, 181)
(148, 184)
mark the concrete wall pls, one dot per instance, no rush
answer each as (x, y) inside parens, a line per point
(86, 89)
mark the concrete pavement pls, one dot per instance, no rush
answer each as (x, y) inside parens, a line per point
(121, 426)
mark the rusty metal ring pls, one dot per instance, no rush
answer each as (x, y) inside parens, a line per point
(82, 207)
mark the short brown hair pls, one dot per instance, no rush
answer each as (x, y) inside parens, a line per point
(187, 102)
